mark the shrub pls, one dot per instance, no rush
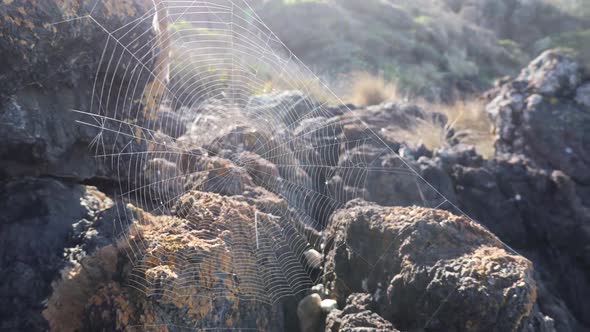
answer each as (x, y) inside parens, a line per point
(369, 90)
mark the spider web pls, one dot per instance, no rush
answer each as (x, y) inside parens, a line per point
(217, 87)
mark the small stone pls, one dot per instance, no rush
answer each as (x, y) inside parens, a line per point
(318, 289)
(328, 305)
(313, 258)
(309, 312)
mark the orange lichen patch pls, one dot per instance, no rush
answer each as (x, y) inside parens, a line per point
(102, 199)
(173, 248)
(14, 20)
(185, 262)
(114, 305)
(65, 307)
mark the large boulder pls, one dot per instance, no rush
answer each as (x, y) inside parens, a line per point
(541, 213)
(542, 115)
(217, 263)
(428, 269)
(538, 182)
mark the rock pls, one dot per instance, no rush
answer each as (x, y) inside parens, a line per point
(538, 181)
(263, 172)
(426, 266)
(290, 107)
(537, 322)
(554, 73)
(48, 79)
(163, 179)
(309, 312)
(313, 258)
(544, 123)
(329, 305)
(44, 223)
(409, 182)
(319, 289)
(583, 95)
(532, 209)
(182, 273)
(218, 175)
(357, 315)
(168, 122)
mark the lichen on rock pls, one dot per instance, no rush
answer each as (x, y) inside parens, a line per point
(424, 266)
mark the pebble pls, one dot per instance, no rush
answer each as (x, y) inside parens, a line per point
(328, 305)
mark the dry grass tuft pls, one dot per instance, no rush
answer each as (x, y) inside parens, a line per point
(470, 124)
(467, 121)
(426, 132)
(370, 90)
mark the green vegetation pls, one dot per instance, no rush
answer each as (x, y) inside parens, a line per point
(578, 41)
(436, 49)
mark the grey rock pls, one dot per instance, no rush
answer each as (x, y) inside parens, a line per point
(542, 214)
(553, 73)
(45, 223)
(583, 95)
(550, 128)
(44, 88)
(290, 107)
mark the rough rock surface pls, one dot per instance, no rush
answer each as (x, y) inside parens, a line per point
(44, 223)
(424, 266)
(538, 115)
(211, 251)
(536, 211)
(185, 274)
(357, 315)
(49, 73)
(534, 193)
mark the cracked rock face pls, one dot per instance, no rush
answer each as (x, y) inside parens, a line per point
(544, 115)
(428, 268)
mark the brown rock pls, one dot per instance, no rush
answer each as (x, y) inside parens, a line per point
(428, 269)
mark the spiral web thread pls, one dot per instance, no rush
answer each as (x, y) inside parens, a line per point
(225, 64)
